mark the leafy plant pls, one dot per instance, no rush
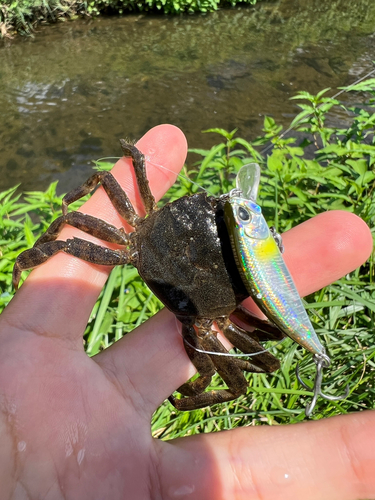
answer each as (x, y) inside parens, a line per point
(23, 15)
(330, 168)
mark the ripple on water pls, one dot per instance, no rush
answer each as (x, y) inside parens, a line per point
(227, 69)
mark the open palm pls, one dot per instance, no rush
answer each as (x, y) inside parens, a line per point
(72, 427)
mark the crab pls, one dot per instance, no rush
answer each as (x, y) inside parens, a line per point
(183, 253)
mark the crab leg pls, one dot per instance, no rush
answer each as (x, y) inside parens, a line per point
(265, 330)
(262, 362)
(201, 361)
(207, 364)
(230, 373)
(85, 250)
(113, 189)
(140, 173)
(88, 224)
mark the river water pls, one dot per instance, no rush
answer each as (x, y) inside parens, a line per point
(69, 93)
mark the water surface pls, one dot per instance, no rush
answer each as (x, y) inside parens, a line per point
(68, 94)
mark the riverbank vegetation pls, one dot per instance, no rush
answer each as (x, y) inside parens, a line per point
(311, 169)
(23, 16)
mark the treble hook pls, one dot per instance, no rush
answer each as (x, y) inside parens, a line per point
(321, 361)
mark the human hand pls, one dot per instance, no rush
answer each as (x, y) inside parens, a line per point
(74, 427)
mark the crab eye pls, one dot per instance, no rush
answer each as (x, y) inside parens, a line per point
(243, 214)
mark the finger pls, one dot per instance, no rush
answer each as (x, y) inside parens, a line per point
(59, 295)
(154, 356)
(330, 459)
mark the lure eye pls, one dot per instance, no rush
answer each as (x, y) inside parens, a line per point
(243, 214)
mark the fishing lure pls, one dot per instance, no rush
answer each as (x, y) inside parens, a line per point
(258, 252)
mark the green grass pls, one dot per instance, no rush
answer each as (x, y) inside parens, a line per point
(294, 187)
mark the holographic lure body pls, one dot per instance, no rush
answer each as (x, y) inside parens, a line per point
(265, 273)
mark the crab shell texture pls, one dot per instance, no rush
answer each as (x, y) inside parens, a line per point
(185, 257)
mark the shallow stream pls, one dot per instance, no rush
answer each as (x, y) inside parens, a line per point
(68, 94)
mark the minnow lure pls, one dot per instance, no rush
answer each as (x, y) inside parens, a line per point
(258, 251)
